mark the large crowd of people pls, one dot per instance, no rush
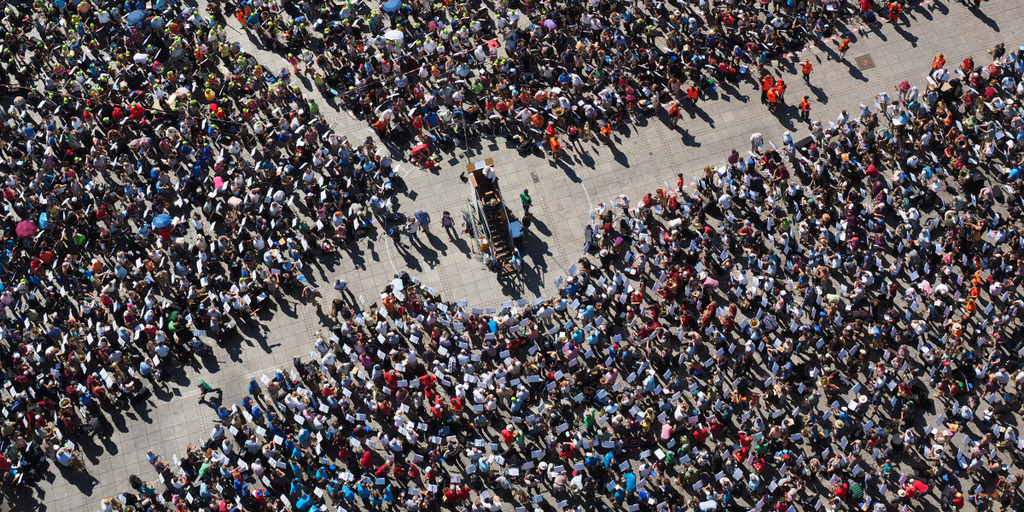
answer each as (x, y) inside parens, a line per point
(782, 334)
(439, 74)
(831, 323)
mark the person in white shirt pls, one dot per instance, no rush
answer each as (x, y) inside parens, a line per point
(756, 142)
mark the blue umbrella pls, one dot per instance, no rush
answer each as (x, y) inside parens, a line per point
(392, 5)
(161, 221)
(135, 16)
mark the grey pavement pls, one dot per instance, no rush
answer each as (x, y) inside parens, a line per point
(563, 195)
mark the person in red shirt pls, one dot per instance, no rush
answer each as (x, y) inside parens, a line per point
(958, 500)
(366, 462)
(700, 434)
(842, 490)
(508, 434)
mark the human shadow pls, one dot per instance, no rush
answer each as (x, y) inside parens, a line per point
(437, 243)
(410, 259)
(541, 227)
(535, 251)
(785, 115)
(731, 91)
(83, 481)
(618, 156)
(427, 254)
(911, 38)
(687, 138)
(586, 159)
(876, 29)
(561, 163)
(700, 113)
(355, 254)
(819, 94)
(980, 14)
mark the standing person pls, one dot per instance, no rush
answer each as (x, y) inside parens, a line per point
(767, 82)
(780, 90)
(526, 200)
(895, 8)
(448, 223)
(673, 112)
(556, 147)
(773, 99)
(806, 69)
(396, 236)
(805, 109)
(412, 228)
(423, 218)
(844, 45)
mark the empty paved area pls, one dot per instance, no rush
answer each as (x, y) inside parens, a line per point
(639, 161)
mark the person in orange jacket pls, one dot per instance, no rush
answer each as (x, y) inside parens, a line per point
(805, 109)
(895, 8)
(767, 82)
(844, 45)
(806, 69)
(555, 146)
(780, 89)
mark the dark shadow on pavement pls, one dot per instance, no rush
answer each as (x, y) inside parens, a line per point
(819, 94)
(980, 14)
(911, 38)
(786, 114)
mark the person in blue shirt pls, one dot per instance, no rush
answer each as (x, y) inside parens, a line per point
(609, 458)
(571, 288)
(630, 481)
(363, 487)
(588, 314)
(620, 494)
(223, 413)
(303, 503)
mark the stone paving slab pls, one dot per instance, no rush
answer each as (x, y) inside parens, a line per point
(635, 164)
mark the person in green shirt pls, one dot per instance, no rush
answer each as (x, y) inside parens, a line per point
(526, 199)
(205, 388)
(588, 418)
